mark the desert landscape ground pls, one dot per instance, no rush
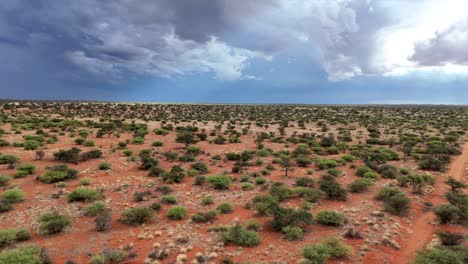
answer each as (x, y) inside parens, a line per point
(179, 183)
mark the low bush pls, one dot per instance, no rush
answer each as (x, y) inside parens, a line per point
(265, 204)
(283, 217)
(14, 195)
(219, 182)
(11, 236)
(447, 213)
(58, 173)
(53, 223)
(137, 215)
(327, 217)
(4, 179)
(110, 256)
(28, 254)
(240, 236)
(304, 182)
(333, 189)
(103, 220)
(225, 208)
(94, 209)
(177, 213)
(360, 185)
(169, 199)
(292, 232)
(309, 194)
(83, 194)
(104, 166)
(331, 248)
(439, 256)
(27, 168)
(205, 217)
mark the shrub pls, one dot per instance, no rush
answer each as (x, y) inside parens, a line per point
(304, 182)
(292, 233)
(398, 204)
(175, 175)
(348, 158)
(280, 192)
(327, 164)
(28, 168)
(177, 213)
(360, 185)
(219, 182)
(204, 217)
(58, 173)
(70, 156)
(85, 181)
(4, 179)
(303, 161)
(10, 236)
(104, 166)
(449, 238)
(28, 254)
(94, 209)
(439, 256)
(225, 208)
(169, 199)
(252, 224)
(240, 236)
(53, 223)
(200, 167)
(157, 144)
(265, 204)
(103, 220)
(136, 215)
(31, 144)
(200, 180)
(330, 248)
(109, 256)
(127, 152)
(309, 194)
(327, 217)
(83, 194)
(14, 195)
(283, 217)
(92, 154)
(387, 192)
(207, 200)
(360, 171)
(5, 206)
(447, 213)
(246, 186)
(334, 172)
(333, 190)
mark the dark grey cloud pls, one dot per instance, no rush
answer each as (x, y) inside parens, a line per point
(447, 47)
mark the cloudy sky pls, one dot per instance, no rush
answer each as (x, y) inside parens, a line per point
(247, 51)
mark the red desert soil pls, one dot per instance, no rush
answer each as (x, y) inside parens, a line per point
(424, 229)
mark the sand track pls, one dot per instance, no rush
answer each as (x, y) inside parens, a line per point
(423, 227)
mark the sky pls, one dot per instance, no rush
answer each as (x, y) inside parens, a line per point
(243, 51)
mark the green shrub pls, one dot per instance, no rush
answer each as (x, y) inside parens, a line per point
(105, 166)
(446, 213)
(246, 186)
(175, 175)
(333, 189)
(28, 254)
(157, 144)
(53, 223)
(85, 181)
(57, 174)
(4, 179)
(360, 185)
(110, 256)
(326, 164)
(304, 182)
(327, 217)
(5, 206)
(169, 199)
(94, 209)
(283, 217)
(240, 236)
(83, 194)
(309, 194)
(360, 171)
(207, 200)
(398, 204)
(177, 213)
(137, 215)
(31, 144)
(280, 192)
(348, 158)
(127, 152)
(225, 208)
(334, 172)
(103, 220)
(331, 248)
(292, 233)
(28, 168)
(10, 236)
(265, 204)
(205, 217)
(219, 182)
(252, 224)
(200, 180)
(387, 192)
(439, 256)
(89, 143)
(201, 167)
(14, 195)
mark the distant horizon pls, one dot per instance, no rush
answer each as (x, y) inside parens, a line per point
(218, 103)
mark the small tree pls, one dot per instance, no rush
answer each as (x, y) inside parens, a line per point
(455, 186)
(286, 164)
(186, 138)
